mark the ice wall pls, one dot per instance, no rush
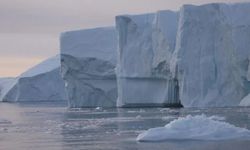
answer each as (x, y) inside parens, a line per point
(212, 51)
(88, 59)
(146, 43)
(40, 83)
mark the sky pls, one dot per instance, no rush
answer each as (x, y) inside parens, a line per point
(30, 29)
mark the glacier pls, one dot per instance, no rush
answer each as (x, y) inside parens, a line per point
(145, 46)
(212, 54)
(198, 127)
(40, 83)
(88, 60)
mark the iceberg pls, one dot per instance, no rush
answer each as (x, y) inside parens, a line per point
(5, 85)
(40, 83)
(145, 46)
(196, 57)
(88, 60)
(212, 54)
(198, 127)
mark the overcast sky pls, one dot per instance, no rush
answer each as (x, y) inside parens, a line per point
(30, 29)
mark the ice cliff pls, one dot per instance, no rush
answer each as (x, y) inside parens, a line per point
(206, 47)
(88, 60)
(198, 55)
(145, 47)
(40, 83)
(212, 53)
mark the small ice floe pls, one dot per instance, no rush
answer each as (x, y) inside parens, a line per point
(138, 117)
(173, 111)
(198, 127)
(219, 118)
(4, 121)
(3, 130)
(164, 109)
(142, 110)
(167, 118)
(98, 108)
(132, 111)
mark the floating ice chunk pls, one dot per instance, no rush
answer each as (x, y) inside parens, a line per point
(4, 121)
(98, 108)
(218, 118)
(198, 127)
(167, 118)
(138, 117)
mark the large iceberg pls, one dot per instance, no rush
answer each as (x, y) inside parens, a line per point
(212, 54)
(88, 60)
(198, 127)
(40, 83)
(198, 56)
(146, 43)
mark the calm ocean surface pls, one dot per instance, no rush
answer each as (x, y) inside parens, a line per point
(50, 126)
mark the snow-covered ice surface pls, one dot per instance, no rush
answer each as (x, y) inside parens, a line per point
(42, 82)
(198, 127)
(88, 59)
(49, 126)
(212, 53)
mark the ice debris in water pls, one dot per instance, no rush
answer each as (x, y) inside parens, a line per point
(98, 108)
(4, 121)
(198, 127)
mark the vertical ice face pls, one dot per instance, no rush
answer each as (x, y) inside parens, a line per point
(88, 59)
(146, 43)
(212, 51)
(248, 71)
(40, 83)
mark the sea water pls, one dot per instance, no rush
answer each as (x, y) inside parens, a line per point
(52, 126)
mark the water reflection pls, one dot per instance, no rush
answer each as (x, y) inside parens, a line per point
(53, 127)
(118, 128)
